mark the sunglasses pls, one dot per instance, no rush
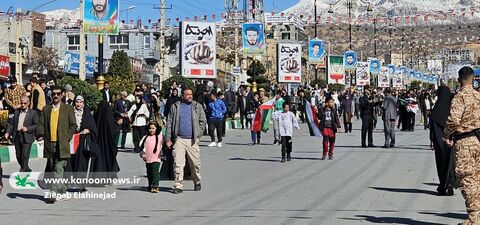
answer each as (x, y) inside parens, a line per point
(56, 93)
(23, 103)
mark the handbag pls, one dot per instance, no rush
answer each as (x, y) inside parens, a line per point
(87, 147)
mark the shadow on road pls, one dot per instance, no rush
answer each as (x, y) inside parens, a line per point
(405, 190)
(391, 220)
(462, 216)
(27, 196)
(261, 160)
(244, 144)
(431, 184)
(144, 189)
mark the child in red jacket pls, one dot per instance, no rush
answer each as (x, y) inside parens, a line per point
(329, 123)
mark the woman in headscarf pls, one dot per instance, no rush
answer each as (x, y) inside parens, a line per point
(87, 148)
(172, 99)
(138, 115)
(443, 154)
(106, 162)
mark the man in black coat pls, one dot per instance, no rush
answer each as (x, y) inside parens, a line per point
(22, 131)
(106, 93)
(367, 104)
(242, 107)
(230, 99)
(120, 111)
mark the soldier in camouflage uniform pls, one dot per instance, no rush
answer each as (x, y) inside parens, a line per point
(463, 120)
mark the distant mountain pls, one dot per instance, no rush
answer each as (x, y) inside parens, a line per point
(62, 16)
(388, 8)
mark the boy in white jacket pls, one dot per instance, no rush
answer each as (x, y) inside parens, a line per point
(287, 121)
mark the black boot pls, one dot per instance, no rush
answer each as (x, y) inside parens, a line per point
(288, 157)
(1, 177)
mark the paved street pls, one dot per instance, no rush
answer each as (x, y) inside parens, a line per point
(243, 184)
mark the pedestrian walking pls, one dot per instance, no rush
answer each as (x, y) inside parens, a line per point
(277, 110)
(185, 126)
(138, 115)
(151, 151)
(463, 131)
(38, 96)
(120, 111)
(253, 106)
(287, 121)
(346, 108)
(367, 105)
(328, 125)
(217, 110)
(21, 130)
(389, 115)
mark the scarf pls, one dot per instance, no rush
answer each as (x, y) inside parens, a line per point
(78, 117)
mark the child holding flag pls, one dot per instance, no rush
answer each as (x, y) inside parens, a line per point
(152, 146)
(287, 121)
(329, 123)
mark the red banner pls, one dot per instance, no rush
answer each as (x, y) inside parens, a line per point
(4, 66)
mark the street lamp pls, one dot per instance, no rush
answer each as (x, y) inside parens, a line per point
(127, 9)
(349, 6)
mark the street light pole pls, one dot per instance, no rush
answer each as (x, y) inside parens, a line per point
(349, 5)
(315, 14)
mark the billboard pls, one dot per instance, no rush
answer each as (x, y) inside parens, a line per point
(198, 50)
(316, 52)
(397, 80)
(336, 69)
(72, 64)
(391, 70)
(374, 65)
(101, 17)
(383, 78)
(4, 66)
(289, 63)
(362, 74)
(350, 60)
(253, 39)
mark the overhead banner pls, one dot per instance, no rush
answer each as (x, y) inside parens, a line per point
(198, 50)
(101, 17)
(412, 75)
(350, 60)
(4, 66)
(383, 78)
(397, 80)
(362, 74)
(289, 63)
(253, 38)
(391, 70)
(404, 70)
(374, 65)
(284, 19)
(316, 52)
(435, 66)
(71, 64)
(336, 70)
(419, 76)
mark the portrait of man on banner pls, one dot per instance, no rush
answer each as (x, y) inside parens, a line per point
(316, 50)
(374, 65)
(253, 38)
(391, 69)
(101, 16)
(350, 62)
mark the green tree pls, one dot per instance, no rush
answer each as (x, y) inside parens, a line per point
(180, 80)
(256, 69)
(121, 77)
(88, 91)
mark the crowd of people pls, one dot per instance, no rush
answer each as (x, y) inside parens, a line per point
(54, 114)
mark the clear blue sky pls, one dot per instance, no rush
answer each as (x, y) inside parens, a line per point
(144, 8)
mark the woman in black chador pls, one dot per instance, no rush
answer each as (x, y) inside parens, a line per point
(106, 163)
(87, 148)
(443, 154)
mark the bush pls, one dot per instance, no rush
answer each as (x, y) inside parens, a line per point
(336, 87)
(180, 80)
(320, 83)
(120, 83)
(89, 92)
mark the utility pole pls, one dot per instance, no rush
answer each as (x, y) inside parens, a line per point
(18, 51)
(81, 73)
(163, 48)
(316, 35)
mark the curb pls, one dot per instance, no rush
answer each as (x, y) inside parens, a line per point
(7, 153)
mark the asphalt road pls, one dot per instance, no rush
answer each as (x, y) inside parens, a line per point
(243, 184)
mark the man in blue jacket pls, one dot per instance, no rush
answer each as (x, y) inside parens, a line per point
(217, 111)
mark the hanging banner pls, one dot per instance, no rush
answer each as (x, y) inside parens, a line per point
(435, 66)
(404, 70)
(412, 75)
(419, 76)
(362, 74)
(391, 70)
(101, 17)
(350, 61)
(336, 70)
(71, 64)
(4, 66)
(383, 78)
(253, 39)
(374, 65)
(198, 50)
(289, 63)
(397, 80)
(316, 52)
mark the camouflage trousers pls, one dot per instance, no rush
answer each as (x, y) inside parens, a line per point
(467, 168)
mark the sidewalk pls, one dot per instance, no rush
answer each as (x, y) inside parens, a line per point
(7, 153)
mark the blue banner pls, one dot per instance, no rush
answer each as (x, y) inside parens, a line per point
(253, 39)
(72, 64)
(316, 52)
(350, 60)
(374, 65)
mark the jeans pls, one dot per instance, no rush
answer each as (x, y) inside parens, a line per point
(215, 124)
(256, 136)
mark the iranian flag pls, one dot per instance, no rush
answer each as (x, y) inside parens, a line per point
(74, 144)
(261, 121)
(312, 120)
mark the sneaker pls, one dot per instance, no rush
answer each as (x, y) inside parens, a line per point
(177, 191)
(283, 160)
(155, 190)
(213, 144)
(198, 187)
(330, 157)
(219, 144)
(275, 141)
(324, 157)
(289, 158)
